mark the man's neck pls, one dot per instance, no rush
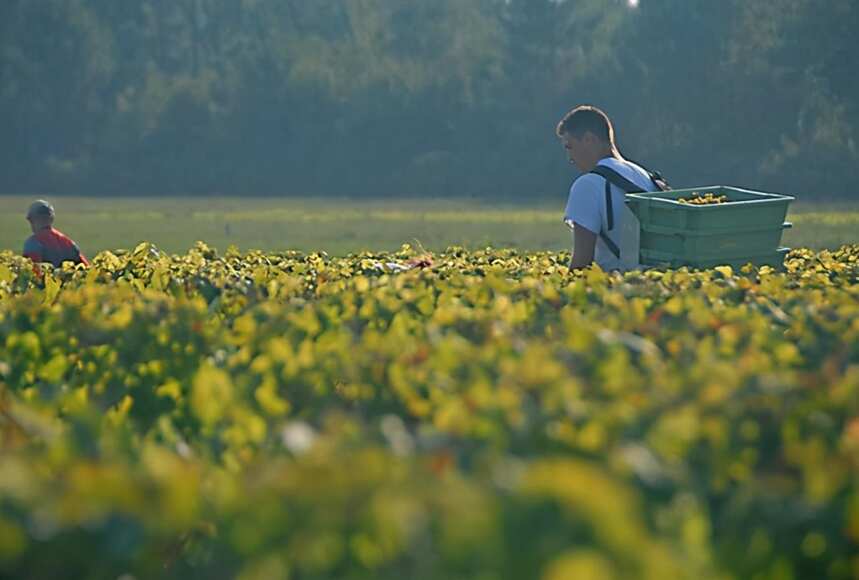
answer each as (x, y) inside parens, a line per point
(609, 153)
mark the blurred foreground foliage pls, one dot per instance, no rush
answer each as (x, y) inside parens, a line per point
(465, 415)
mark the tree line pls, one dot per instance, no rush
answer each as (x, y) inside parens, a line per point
(426, 97)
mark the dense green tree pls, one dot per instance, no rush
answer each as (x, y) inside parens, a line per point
(443, 97)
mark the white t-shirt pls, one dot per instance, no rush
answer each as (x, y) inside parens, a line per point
(586, 206)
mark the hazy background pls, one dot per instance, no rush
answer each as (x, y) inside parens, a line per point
(376, 98)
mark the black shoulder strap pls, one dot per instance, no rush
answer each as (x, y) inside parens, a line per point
(612, 177)
(615, 178)
(655, 176)
(610, 245)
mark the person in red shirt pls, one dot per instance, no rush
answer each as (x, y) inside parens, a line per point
(48, 244)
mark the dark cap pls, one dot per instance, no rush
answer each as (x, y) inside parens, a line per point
(40, 208)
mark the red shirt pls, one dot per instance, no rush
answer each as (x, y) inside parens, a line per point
(50, 245)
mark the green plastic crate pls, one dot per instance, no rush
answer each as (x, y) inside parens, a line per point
(774, 259)
(748, 228)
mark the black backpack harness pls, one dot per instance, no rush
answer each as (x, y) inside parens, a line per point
(612, 177)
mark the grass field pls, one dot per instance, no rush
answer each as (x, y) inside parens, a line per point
(343, 226)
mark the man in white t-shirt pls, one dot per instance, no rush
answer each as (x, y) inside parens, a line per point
(596, 206)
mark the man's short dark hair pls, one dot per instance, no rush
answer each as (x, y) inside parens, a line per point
(40, 208)
(586, 118)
